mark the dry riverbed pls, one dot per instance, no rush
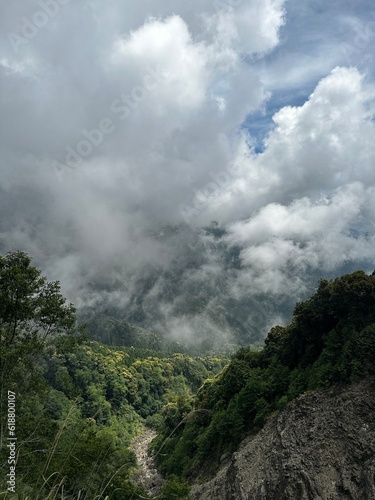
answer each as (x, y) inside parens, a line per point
(147, 476)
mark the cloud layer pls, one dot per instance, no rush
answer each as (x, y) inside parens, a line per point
(120, 120)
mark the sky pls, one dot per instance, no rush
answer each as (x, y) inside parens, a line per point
(120, 117)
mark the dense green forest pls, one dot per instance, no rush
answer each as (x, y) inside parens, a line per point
(331, 339)
(80, 403)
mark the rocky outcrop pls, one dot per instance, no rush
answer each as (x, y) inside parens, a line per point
(320, 447)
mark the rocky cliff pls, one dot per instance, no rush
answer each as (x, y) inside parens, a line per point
(320, 447)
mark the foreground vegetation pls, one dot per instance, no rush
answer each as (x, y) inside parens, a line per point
(331, 339)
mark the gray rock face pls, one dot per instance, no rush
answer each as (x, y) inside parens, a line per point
(320, 447)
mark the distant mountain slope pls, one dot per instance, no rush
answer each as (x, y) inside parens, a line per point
(116, 332)
(198, 291)
(321, 446)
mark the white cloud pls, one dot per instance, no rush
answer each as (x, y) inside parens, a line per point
(258, 25)
(314, 148)
(167, 46)
(282, 243)
(309, 192)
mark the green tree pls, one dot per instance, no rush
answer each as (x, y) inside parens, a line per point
(31, 308)
(175, 489)
(31, 311)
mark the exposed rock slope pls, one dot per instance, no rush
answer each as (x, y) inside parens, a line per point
(320, 447)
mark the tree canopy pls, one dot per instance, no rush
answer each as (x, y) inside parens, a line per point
(31, 308)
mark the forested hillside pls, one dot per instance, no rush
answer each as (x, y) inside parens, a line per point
(330, 340)
(78, 403)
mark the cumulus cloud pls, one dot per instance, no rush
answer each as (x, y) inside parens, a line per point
(314, 148)
(148, 89)
(321, 235)
(320, 160)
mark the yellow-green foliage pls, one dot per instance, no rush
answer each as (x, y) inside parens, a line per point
(88, 404)
(78, 403)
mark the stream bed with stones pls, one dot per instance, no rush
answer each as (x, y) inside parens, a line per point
(147, 476)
